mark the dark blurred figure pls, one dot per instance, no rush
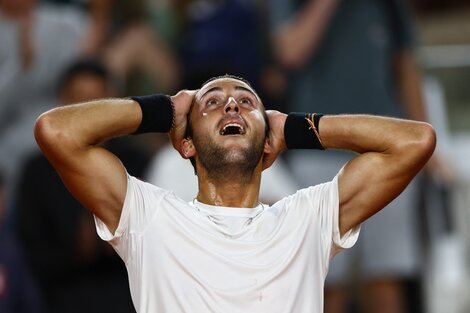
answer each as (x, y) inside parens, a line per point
(18, 292)
(357, 57)
(214, 37)
(37, 42)
(219, 37)
(118, 32)
(439, 5)
(77, 272)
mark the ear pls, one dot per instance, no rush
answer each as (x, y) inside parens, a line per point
(268, 148)
(270, 153)
(187, 148)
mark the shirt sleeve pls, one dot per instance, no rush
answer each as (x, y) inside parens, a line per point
(322, 202)
(140, 207)
(350, 237)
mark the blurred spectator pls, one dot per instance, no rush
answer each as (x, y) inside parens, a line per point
(135, 54)
(356, 57)
(18, 293)
(37, 42)
(77, 272)
(214, 40)
(439, 5)
(217, 37)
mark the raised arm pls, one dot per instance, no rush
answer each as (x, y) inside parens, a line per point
(391, 152)
(304, 31)
(69, 137)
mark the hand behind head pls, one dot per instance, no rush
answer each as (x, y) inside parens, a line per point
(275, 141)
(182, 102)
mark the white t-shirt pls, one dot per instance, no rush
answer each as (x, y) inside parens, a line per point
(192, 257)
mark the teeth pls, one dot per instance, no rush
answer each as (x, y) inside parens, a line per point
(232, 125)
(241, 129)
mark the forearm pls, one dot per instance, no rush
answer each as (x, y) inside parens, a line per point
(87, 124)
(408, 81)
(155, 58)
(304, 32)
(366, 133)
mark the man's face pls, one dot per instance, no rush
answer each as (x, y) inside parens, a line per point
(228, 126)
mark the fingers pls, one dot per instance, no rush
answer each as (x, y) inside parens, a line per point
(185, 94)
(276, 142)
(182, 102)
(277, 121)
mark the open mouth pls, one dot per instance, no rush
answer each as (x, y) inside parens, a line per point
(232, 129)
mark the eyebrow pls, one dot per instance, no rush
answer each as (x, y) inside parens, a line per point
(236, 88)
(246, 89)
(211, 90)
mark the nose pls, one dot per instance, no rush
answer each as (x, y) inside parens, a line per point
(232, 105)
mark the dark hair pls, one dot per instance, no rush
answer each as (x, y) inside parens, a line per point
(83, 66)
(189, 131)
(227, 76)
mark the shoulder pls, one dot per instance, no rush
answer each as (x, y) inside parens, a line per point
(141, 192)
(316, 193)
(311, 199)
(138, 185)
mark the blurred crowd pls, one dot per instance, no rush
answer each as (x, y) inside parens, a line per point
(335, 56)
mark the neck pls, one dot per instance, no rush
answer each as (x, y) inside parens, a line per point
(231, 190)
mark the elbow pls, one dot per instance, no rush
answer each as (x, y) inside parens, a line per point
(42, 129)
(47, 132)
(428, 140)
(423, 143)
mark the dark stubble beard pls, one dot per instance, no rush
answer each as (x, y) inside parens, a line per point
(227, 164)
